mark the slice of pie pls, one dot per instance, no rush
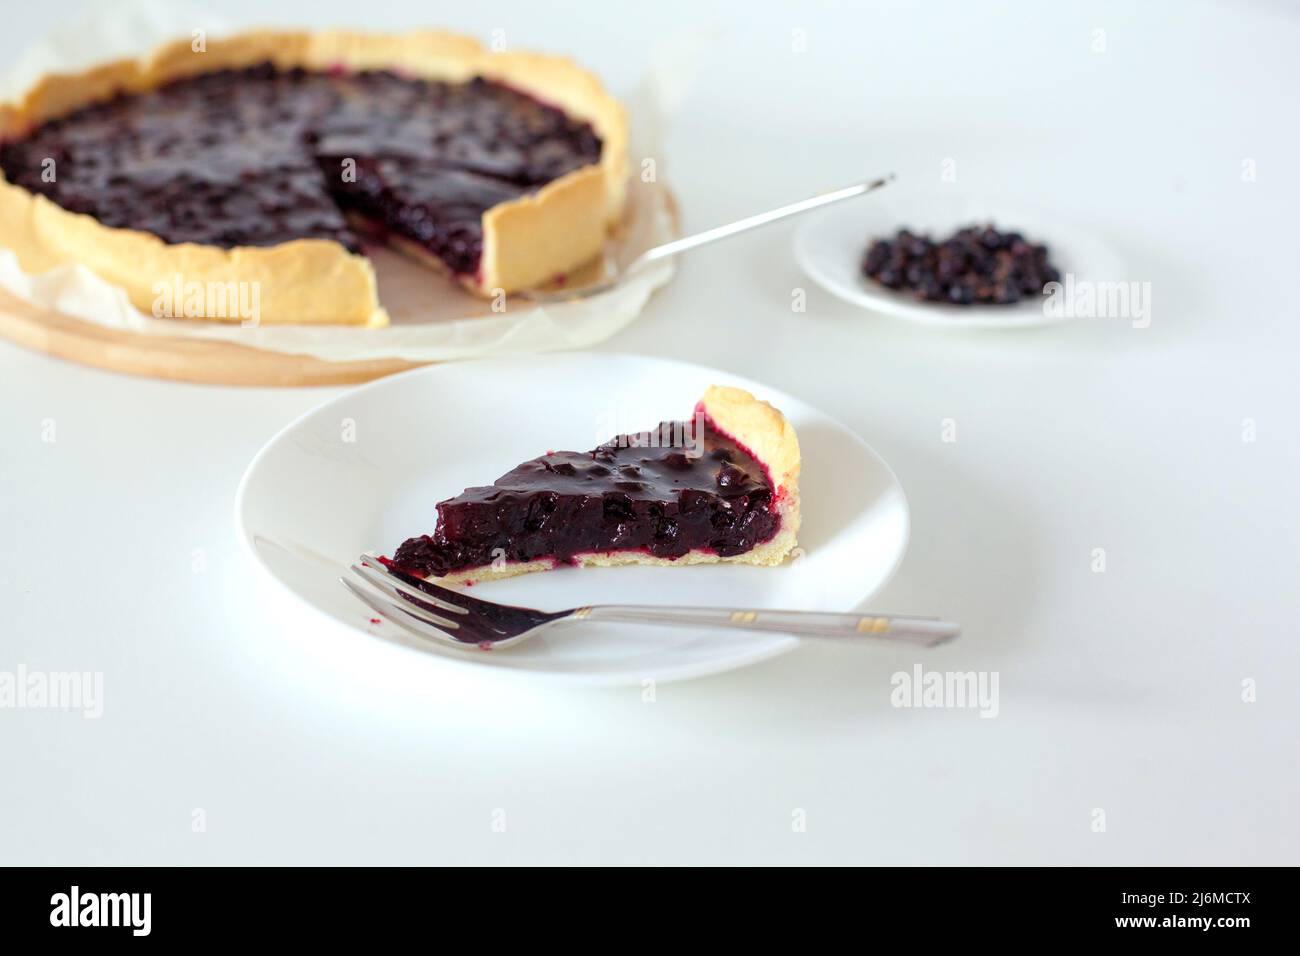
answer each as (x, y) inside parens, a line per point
(265, 159)
(723, 486)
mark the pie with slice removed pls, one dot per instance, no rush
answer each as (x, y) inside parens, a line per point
(723, 486)
(264, 159)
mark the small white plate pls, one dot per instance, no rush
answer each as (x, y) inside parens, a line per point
(364, 471)
(829, 248)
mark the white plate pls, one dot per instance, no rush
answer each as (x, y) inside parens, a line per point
(365, 470)
(830, 246)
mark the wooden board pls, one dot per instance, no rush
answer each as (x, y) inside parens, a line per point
(179, 359)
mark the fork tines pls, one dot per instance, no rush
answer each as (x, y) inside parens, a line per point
(405, 605)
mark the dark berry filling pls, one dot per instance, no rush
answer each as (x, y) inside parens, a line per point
(977, 264)
(257, 156)
(661, 493)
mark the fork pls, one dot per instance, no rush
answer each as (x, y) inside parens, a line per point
(452, 617)
(668, 249)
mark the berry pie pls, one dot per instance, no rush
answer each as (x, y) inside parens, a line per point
(723, 486)
(268, 158)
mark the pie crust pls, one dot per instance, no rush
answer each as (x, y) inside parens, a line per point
(765, 434)
(526, 241)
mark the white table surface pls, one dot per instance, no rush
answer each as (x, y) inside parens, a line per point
(1119, 690)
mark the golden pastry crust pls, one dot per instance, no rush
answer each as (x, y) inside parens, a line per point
(759, 427)
(526, 241)
(770, 439)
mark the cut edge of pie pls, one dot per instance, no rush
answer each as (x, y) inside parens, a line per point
(526, 241)
(761, 431)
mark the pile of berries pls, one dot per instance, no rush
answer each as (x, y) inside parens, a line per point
(976, 264)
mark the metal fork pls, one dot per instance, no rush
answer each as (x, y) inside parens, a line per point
(447, 616)
(607, 282)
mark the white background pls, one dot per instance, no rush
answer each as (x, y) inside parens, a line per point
(1120, 690)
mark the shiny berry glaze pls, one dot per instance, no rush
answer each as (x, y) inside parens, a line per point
(660, 492)
(256, 157)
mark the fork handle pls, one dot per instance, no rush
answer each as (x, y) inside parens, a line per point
(926, 631)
